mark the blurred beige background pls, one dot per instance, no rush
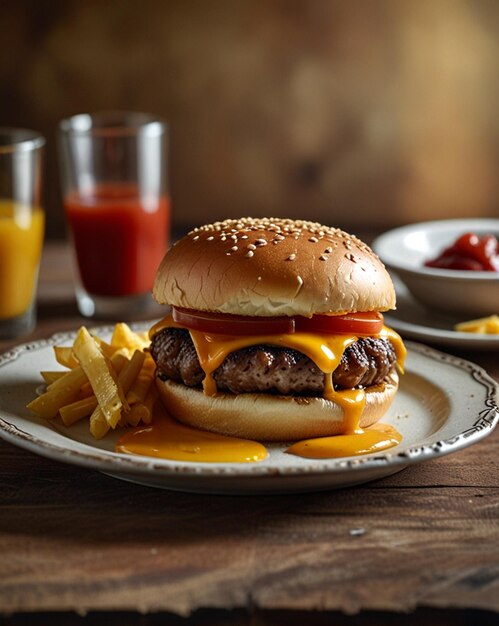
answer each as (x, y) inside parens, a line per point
(362, 114)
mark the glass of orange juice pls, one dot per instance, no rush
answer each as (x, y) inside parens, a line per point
(22, 224)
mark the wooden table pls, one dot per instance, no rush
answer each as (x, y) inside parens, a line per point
(75, 540)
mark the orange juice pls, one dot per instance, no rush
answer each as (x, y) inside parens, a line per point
(21, 240)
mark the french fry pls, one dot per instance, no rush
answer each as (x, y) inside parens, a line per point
(119, 360)
(138, 412)
(142, 411)
(485, 325)
(125, 337)
(109, 383)
(141, 408)
(99, 426)
(127, 377)
(131, 370)
(108, 350)
(72, 413)
(86, 390)
(143, 335)
(102, 377)
(64, 355)
(87, 402)
(141, 384)
(61, 392)
(51, 377)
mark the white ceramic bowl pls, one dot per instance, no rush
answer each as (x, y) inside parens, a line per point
(404, 251)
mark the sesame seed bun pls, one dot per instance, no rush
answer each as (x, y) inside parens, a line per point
(267, 417)
(271, 267)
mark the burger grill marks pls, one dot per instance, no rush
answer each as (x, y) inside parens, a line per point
(272, 369)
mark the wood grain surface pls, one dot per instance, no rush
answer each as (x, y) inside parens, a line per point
(423, 540)
(355, 113)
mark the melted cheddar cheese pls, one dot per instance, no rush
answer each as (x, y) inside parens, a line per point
(166, 438)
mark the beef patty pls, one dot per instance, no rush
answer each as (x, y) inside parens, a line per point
(271, 369)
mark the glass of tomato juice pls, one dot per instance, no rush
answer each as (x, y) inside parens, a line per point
(22, 224)
(114, 182)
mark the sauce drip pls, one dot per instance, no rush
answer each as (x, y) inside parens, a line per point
(166, 438)
(373, 439)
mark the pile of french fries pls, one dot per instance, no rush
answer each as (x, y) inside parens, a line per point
(485, 325)
(110, 383)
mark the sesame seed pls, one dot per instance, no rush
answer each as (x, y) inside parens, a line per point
(275, 230)
(234, 248)
(251, 246)
(291, 257)
(249, 254)
(195, 238)
(323, 257)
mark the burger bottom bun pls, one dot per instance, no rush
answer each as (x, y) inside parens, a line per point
(269, 418)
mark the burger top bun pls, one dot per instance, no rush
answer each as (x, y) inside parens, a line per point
(270, 267)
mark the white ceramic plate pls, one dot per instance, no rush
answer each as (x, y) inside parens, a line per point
(443, 405)
(415, 321)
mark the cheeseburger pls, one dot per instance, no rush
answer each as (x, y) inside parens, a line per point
(276, 331)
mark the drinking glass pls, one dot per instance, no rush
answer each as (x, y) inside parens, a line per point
(113, 167)
(22, 225)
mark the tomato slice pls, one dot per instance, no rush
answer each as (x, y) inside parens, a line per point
(224, 324)
(232, 324)
(353, 323)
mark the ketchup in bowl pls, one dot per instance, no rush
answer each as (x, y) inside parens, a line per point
(119, 238)
(469, 252)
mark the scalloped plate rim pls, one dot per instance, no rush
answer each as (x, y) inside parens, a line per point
(131, 467)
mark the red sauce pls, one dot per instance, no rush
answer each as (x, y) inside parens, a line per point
(119, 237)
(469, 252)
